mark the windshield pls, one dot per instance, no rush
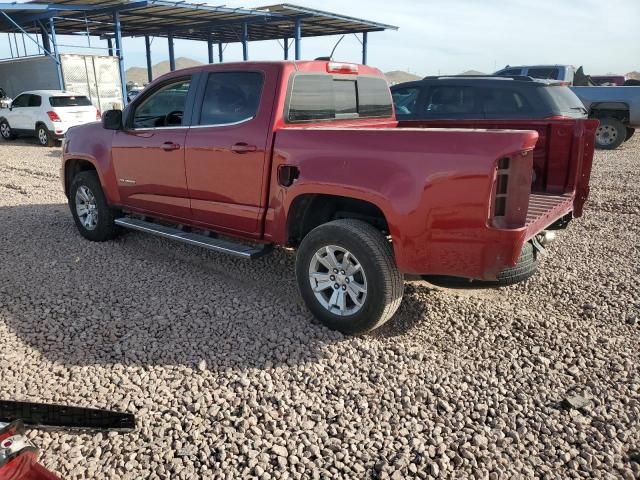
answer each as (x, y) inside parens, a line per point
(69, 101)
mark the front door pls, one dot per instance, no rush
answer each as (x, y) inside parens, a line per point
(19, 117)
(226, 150)
(148, 154)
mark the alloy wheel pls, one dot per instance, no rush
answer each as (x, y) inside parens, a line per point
(86, 207)
(338, 280)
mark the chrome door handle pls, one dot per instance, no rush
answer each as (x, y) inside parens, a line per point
(243, 148)
(169, 146)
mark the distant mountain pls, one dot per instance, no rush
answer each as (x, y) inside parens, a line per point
(398, 76)
(472, 73)
(635, 75)
(139, 74)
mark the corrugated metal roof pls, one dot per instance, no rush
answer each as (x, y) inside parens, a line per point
(195, 21)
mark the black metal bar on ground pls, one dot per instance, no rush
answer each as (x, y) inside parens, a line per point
(286, 49)
(110, 46)
(220, 53)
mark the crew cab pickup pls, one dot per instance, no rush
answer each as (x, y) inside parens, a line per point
(238, 157)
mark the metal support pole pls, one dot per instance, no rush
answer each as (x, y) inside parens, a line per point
(245, 40)
(119, 53)
(210, 47)
(56, 56)
(298, 36)
(147, 46)
(364, 48)
(286, 49)
(10, 47)
(220, 53)
(172, 58)
(46, 45)
(24, 45)
(110, 46)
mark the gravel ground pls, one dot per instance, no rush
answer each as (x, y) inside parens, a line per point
(230, 378)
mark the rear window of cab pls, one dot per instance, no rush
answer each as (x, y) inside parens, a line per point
(322, 97)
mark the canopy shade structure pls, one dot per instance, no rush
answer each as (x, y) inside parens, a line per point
(216, 24)
(184, 20)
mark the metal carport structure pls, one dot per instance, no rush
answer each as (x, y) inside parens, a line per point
(114, 19)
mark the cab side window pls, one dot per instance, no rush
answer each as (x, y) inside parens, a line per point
(405, 100)
(231, 97)
(21, 101)
(163, 107)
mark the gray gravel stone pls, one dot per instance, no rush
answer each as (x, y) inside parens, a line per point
(230, 378)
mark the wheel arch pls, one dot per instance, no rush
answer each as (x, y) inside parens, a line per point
(309, 210)
(617, 110)
(72, 167)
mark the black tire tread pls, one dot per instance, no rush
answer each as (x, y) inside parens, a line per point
(382, 255)
(106, 229)
(622, 133)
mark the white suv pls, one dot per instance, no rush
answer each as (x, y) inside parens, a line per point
(45, 114)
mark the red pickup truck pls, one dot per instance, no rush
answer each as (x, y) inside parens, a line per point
(308, 154)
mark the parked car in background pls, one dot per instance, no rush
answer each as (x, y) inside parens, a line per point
(608, 80)
(617, 109)
(45, 114)
(521, 103)
(562, 73)
(5, 101)
(307, 155)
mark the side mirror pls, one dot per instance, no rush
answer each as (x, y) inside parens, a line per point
(112, 119)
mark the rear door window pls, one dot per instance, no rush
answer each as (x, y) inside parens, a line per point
(543, 73)
(317, 97)
(451, 102)
(70, 101)
(231, 97)
(35, 100)
(510, 72)
(500, 102)
(405, 101)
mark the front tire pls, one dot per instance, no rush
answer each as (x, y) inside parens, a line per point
(610, 133)
(91, 212)
(44, 136)
(347, 276)
(5, 131)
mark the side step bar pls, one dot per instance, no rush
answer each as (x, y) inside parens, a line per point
(215, 244)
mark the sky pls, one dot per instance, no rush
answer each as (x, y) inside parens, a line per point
(443, 37)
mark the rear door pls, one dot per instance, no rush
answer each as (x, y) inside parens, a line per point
(226, 148)
(148, 154)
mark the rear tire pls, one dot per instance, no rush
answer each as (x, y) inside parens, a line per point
(525, 267)
(44, 136)
(610, 133)
(5, 131)
(91, 212)
(355, 303)
(630, 132)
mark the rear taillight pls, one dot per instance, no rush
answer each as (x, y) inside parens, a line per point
(53, 116)
(502, 184)
(98, 115)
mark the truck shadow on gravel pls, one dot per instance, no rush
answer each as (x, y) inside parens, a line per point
(144, 300)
